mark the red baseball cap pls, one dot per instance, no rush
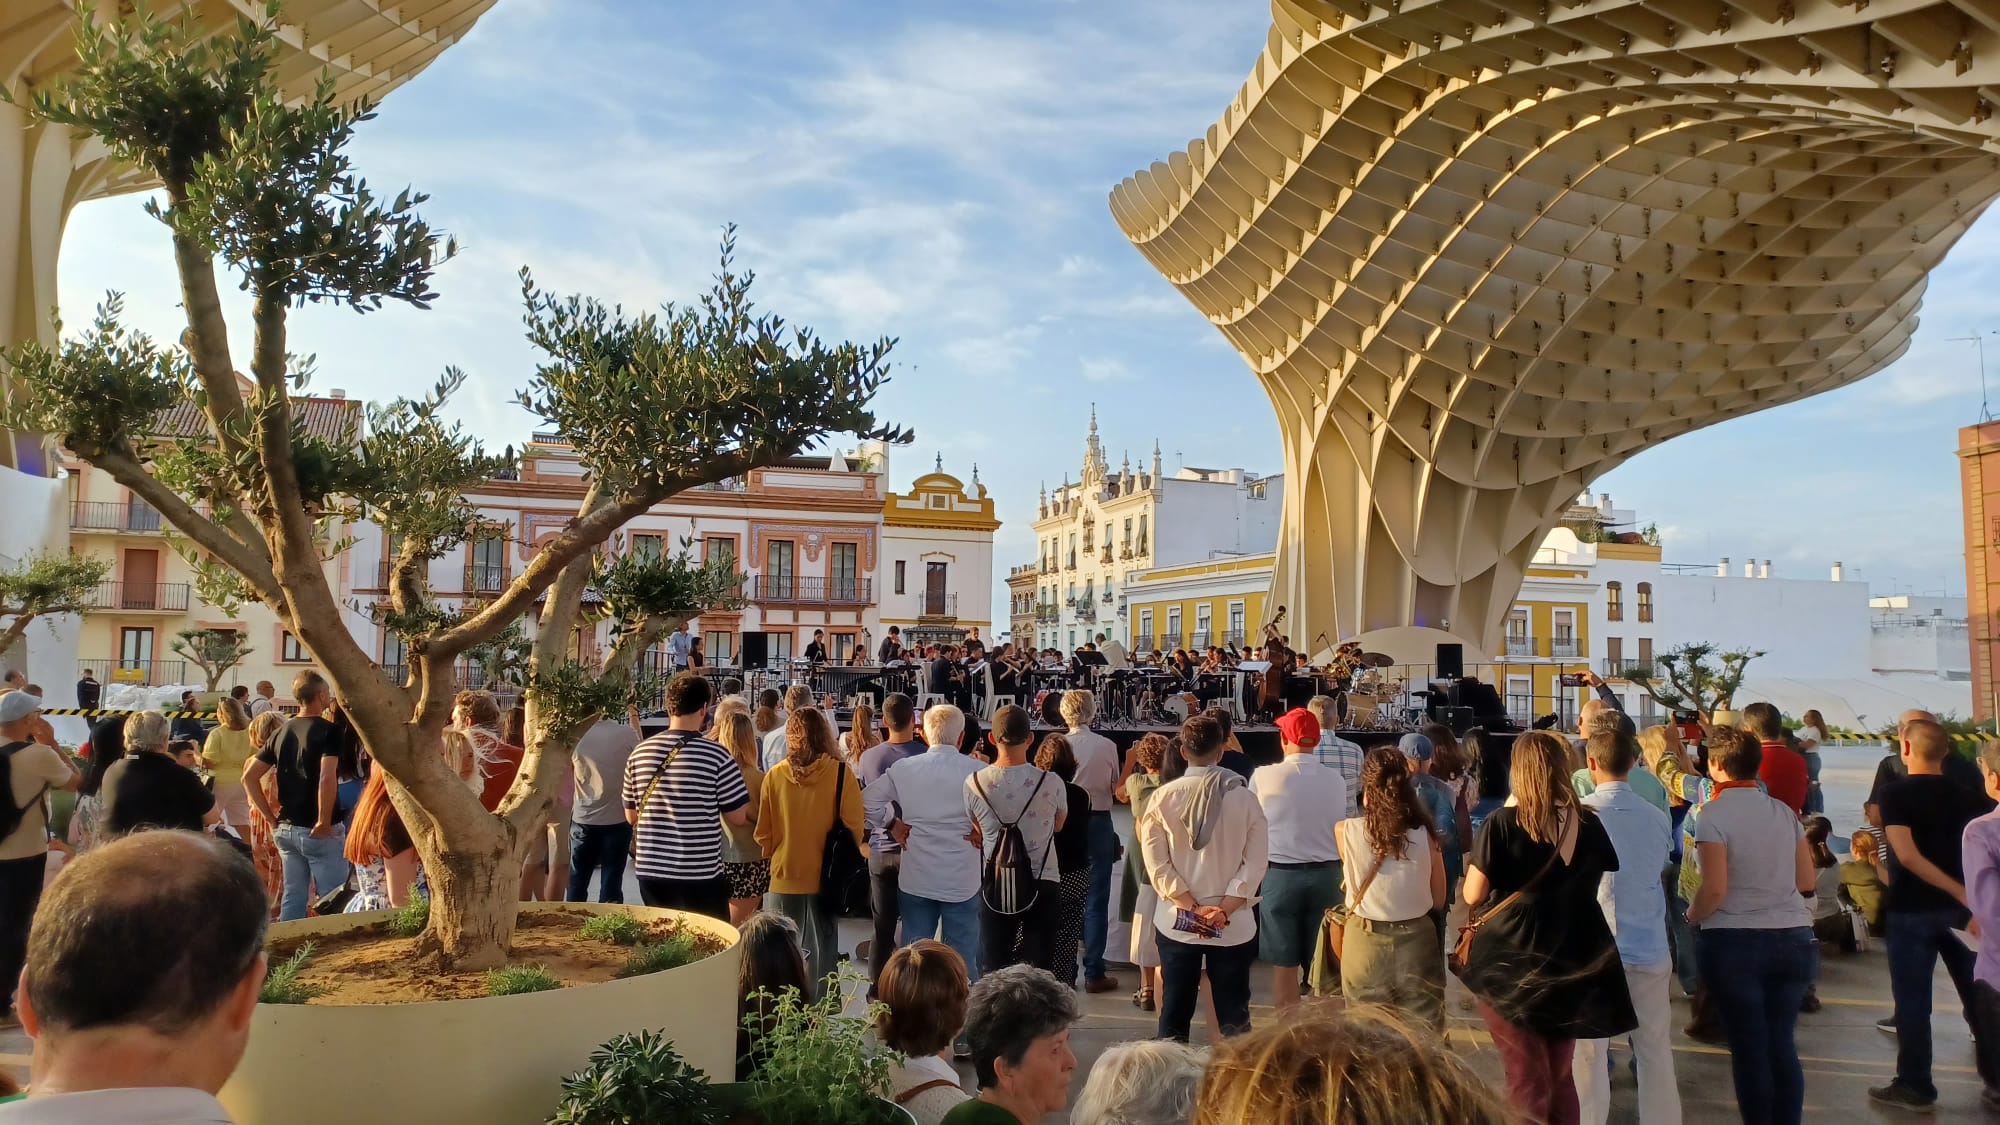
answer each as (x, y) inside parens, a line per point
(1299, 727)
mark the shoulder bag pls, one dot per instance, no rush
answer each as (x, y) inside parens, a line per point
(632, 846)
(843, 872)
(1461, 951)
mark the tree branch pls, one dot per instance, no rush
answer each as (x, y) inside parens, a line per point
(253, 565)
(16, 629)
(208, 339)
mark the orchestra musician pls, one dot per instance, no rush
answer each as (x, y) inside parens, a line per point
(816, 651)
(892, 646)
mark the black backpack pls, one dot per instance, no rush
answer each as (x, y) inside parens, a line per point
(1007, 881)
(10, 816)
(843, 870)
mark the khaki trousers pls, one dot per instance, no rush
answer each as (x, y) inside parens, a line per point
(1397, 965)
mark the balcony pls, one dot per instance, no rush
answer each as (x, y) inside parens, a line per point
(137, 517)
(938, 607)
(1125, 552)
(1233, 638)
(1106, 556)
(785, 588)
(146, 672)
(1086, 610)
(485, 578)
(1142, 643)
(1565, 648)
(141, 597)
(1615, 669)
(1168, 642)
(1199, 640)
(1047, 614)
(1520, 645)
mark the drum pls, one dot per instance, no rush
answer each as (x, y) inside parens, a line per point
(1179, 707)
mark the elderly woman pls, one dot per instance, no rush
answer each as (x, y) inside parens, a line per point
(1151, 1082)
(1017, 1024)
(148, 789)
(923, 993)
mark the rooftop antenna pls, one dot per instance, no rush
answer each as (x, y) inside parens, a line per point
(1979, 342)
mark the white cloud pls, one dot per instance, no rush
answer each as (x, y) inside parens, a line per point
(1105, 369)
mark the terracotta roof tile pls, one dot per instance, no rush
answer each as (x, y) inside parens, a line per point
(328, 419)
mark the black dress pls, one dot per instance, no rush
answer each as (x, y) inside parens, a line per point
(1072, 848)
(1548, 962)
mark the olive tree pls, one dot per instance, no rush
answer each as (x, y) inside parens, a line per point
(653, 402)
(1697, 676)
(214, 651)
(46, 585)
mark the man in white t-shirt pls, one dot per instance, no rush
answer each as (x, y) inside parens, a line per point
(1014, 791)
(1115, 657)
(1300, 797)
(599, 837)
(1097, 775)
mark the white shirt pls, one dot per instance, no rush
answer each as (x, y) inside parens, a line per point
(678, 645)
(1230, 866)
(927, 791)
(258, 705)
(1401, 890)
(1114, 656)
(144, 1105)
(1096, 766)
(772, 750)
(1302, 801)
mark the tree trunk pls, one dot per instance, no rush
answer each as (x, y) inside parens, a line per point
(475, 883)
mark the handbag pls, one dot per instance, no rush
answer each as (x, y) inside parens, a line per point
(1333, 929)
(335, 901)
(1461, 951)
(843, 870)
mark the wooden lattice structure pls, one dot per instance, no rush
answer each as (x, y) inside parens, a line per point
(1479, 252)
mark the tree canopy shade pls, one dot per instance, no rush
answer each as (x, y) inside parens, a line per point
(655, 402)
(45, 586)
(1698, 676)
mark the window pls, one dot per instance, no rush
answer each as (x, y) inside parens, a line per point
(845, 571)
(1646, 651)
(1645, 601)
(719, 646)
(1146, 624)
(1089, 530)
(1614, 601)
(135, 650)
(1127, 541)
(1072, 551)
(489, 565)
(938, 502)
(936, 601)
(719, 551)
(1141, 547)
(1072, 640)
(839, 646)
(1173, 637)
(646, 547)
(290, 651)
(1517, 624)
(781, 646)
(394, 652)
(899, 575)
(1235, 622)
(1203, 619)
(1614, 655)
(778, 569)
(1257, 490)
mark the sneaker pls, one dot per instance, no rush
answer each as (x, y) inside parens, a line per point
(1903, 1097)
(1886, 1025)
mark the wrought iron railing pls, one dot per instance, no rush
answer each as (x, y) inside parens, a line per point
(811, 591)
(141, 596)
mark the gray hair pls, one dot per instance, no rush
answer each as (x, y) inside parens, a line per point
(944, 724)
(1151, 1082)
(146, 730)
(1008, 1010)
(1078, 708)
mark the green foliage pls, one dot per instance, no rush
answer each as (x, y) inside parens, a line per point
(44, 585)
(214, 651)
(697, 393)
(412, 917)
(1699, 676)
(512, 980)
(619, 929)
(282, 984)
(819, 1067)
(502, 661)
(99, 390)
(656, 957)
(634, 1079)
(571, 696)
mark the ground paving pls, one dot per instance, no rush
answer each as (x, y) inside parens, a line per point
(1842, 1051)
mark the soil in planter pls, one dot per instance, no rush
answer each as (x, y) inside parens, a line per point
(369, 965)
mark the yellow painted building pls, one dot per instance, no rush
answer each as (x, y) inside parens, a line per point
(150, 597)
(1219, 602)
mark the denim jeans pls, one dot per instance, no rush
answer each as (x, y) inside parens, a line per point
(312, 864)
(1181, 966)
(1917, 939)
(959, 922)
(601, 848)
(883, 903)
(1757, 979)
(1097, 909)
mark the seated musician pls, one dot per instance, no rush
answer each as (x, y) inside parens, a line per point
(974, 666)
(1212, 662)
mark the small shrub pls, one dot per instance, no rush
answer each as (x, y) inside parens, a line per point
(282, 984)
(516, 979)
(635, 1077)
(412, 918)
(654, 957)
(818, 1066)
(619, 929)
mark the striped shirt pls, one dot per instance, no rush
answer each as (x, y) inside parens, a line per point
(680, 828)
(1346, 757)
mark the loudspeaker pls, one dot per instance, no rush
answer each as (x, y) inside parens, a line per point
(1450, 661)
(1459, 719)
(756, 651)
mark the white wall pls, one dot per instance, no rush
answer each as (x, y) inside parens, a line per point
(1197, 520)
(37, 522)
(968, 558)
(1806, 628)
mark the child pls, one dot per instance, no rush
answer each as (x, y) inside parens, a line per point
(1862, 878)
(1830, 922)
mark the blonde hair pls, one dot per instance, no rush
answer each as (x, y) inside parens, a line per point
(1655, 744)
(1540, 781)
(231, 714)
(1078, 708)
(861, 735)
(1361, 1066)
(730, 705)
(265, 727)
(461, 756)
(733, 733)
(145, 730)
(1864, 845)
(808, 738)
(797, 696)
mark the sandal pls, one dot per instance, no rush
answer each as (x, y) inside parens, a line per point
(1143, 999)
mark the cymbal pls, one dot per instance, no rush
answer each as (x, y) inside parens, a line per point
(1377, 659)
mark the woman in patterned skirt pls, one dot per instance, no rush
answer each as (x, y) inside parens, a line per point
(263, 838)
(1072, 846)
(743, 862)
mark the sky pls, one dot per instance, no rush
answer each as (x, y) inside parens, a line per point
(938, 174)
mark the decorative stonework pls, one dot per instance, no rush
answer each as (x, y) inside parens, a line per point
(813, 538)
(1480, 253)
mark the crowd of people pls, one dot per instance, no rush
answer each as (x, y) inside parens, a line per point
(1595, 872)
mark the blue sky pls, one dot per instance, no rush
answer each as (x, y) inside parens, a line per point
(938, 174)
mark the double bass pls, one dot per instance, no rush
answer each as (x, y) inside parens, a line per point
(1271, 684)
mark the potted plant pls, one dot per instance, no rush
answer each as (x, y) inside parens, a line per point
(263, 190)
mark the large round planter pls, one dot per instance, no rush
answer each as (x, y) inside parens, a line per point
(495, 1060)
